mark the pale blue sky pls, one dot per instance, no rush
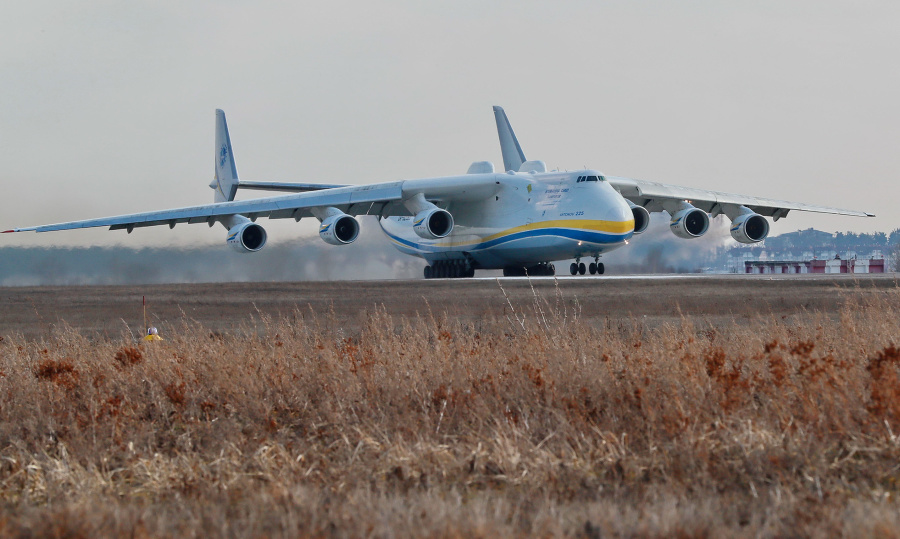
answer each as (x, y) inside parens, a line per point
(107, 107)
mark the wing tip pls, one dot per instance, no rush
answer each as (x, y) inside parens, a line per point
(7, 231)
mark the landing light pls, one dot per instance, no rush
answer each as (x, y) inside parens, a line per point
(626, 242)
(579, 243)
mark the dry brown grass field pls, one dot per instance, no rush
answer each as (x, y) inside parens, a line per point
(733, 408)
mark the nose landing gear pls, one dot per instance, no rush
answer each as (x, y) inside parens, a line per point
(577, 268)
(594, 268)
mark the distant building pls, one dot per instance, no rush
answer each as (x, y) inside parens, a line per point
(835, 265)
(810, 251)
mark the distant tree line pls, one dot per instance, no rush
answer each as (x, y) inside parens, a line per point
(811, 240)
(816, 241)
(819, 242)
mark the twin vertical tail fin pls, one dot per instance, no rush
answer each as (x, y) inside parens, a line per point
(513, 156)
(225, 182)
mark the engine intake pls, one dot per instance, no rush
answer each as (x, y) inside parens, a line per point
(641, 217)
(433, 224)
(247, 237)
(339, 229)
(749, 228)
(689, 223)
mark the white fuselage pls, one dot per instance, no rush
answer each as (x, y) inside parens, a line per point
(530, 218)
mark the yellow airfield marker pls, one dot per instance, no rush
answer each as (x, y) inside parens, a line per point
(152, 332)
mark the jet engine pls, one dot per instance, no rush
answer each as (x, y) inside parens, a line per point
(247, 237)
(689, 222)
(641, 217)
(749, 228)
(432, 224)
(339, 229)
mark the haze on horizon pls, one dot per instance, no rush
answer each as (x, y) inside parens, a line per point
(108, 108)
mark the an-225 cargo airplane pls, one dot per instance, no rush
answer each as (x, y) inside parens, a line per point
(519, 220)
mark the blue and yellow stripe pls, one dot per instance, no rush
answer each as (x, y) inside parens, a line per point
(584, 230)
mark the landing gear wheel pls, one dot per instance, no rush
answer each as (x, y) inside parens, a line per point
(551, 269)
(573, 268)
(581, 269)
(592, 268)
(428, 272)
(600, 268)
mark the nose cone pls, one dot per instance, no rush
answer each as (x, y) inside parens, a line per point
(617, 211)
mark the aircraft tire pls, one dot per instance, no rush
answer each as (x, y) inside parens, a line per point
(428, 272)
(600, 268)
(592, 268)
(551, 270)
(581, 269)
(573, 268)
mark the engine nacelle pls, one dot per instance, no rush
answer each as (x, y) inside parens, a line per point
(339, 229)
(433, 224)
(641, 217)
(749, 228)
(689, 223)
(247, 237)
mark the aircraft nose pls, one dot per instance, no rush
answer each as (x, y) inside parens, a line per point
(618, 211)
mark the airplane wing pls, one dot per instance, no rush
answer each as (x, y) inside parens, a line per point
(384, 199)
(288, 187)
(652, 195)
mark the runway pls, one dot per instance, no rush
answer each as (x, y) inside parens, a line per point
(678, 276)
(109, 311)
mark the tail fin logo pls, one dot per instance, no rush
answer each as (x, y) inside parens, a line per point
(223, 155)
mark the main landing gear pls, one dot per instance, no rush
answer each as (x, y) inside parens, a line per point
(594, 268)
(449, 269)
(544, 269)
